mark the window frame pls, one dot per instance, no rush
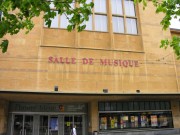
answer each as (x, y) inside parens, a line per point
(125, 17)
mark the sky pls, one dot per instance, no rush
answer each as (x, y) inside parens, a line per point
(175, 23)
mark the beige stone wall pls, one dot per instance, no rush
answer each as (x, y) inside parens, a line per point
(18, 66)
(160, 67)
(25, 66)
(3, 116)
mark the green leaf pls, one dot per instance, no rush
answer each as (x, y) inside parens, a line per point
(4, 45)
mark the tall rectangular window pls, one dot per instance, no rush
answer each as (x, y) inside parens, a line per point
(124, 16)
(98, 20)
(60, 21)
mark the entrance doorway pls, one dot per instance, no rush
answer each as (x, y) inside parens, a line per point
(73, 120)
(50, 124)
(23, 125)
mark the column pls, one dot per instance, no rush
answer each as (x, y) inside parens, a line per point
(3, 117)
(93, 117)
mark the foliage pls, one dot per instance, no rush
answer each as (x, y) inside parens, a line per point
(170, 8)
(18, 15)
(174, 43)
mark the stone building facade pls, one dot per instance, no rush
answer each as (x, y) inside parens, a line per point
(111, 77)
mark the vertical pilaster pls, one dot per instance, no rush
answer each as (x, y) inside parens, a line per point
(3, 117)
(93, 117)
(175, 106)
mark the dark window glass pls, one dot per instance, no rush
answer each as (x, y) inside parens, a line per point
(101, 106)
(157, 105)
(146, 105)
(107, 106)
(119, 106)
(152, 106)
(162, 104)
(141, 106)
(167, 106)
(113, 106)
(125, 106)
(131, 106)
(136, 106)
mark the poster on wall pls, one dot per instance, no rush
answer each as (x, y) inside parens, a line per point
(103, 123)
(134, 121)
(144, 120)
(154, 121)
(114, 122)
(163, 121)
(124, 121)
(54, 123)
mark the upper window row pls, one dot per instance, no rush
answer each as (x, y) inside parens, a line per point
(124, 18)
(134, 106)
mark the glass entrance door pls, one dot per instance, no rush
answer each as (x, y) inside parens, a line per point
(23, 125)
(49, 125)
(79, 124)
(35, 124)
(68, 125)
(71, 121)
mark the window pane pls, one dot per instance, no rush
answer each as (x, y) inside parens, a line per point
(72, 4)
(51, 3)
(107, 106)
(131, 26)
(117, 7)
(146, 105)
(125, 106)
(64, 22)
(162, 104)
(167, 106)
(113, 106)
(100, 6)
(136, 106)
(152, 106)
(157, 105)
(88, 1)
(101, 106)
(100, 23)
(54, 21)
(118, 24)
(129, 8)
(89, 23)
(141, 105)
(119, 106)
(131, 106)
